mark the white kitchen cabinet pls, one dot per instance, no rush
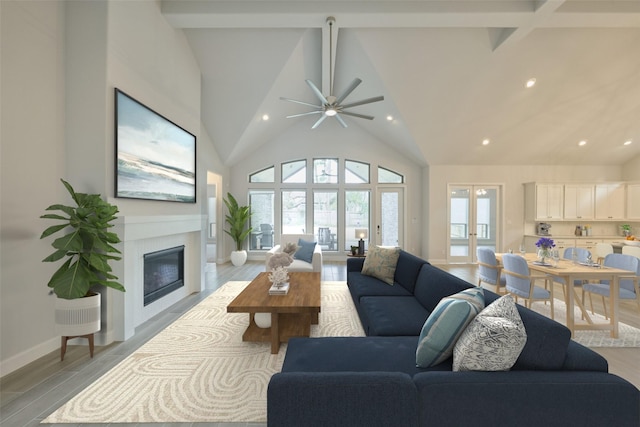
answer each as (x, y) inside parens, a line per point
(589, 244)
(633, 201)
(609, 201)
(562, 244)
(544, 202)
(578, 201)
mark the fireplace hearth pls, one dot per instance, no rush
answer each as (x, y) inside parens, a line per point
(163, 273)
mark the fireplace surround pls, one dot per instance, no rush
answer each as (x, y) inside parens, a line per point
(140, 235)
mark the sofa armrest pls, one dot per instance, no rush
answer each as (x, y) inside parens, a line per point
(526, 398)
(355, 264)
(316, 260)
(337, 399)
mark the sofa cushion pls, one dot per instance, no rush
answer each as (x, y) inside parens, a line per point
(407, 270)
(305, 250)
(392, 316)
(433, 284)
(445, 325)
(355, 354)
(494, 339)
(381, 263)
(361, 285)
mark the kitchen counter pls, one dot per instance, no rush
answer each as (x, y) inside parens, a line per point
(568, 240)
(571, 236)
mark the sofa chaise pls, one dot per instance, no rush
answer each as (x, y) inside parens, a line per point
(374, 380)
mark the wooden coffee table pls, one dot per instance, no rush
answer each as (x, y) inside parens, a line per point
(291, 315)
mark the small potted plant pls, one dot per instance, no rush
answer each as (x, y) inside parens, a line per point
(626, 230)
(237, 219)
(87, 248)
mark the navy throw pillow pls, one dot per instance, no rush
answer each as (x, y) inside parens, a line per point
(305, 250)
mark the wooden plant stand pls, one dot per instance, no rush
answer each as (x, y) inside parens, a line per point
(63, 346)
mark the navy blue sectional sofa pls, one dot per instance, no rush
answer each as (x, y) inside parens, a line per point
(373, 380)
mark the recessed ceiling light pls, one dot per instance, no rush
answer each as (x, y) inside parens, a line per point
(265, 117)
(485, 141)
(628, 142)
(531, 82)
(582, 143)
(389, 118)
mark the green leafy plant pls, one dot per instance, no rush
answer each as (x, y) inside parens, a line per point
(237, 219)
(87, 244)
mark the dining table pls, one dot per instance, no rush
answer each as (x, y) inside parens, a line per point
(570, 271)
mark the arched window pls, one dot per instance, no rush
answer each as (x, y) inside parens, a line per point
(265, 175)
(330, 202)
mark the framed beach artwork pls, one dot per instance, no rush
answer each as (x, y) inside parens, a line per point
(155, 158)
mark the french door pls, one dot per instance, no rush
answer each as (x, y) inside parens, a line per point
(474, 215)
(390, 217)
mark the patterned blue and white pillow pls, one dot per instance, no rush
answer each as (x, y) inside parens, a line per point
(493, 341)
(445, 325)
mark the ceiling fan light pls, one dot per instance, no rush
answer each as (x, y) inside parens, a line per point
(330, 112)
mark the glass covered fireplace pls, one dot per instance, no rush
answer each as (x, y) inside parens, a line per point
(163, 273)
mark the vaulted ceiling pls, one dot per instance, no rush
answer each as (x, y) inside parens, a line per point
(452, 73)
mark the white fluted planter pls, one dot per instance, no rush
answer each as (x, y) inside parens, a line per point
(78, 317)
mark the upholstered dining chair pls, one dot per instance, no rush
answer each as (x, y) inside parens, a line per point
(521, 283)
(489, 270)
(602, 250)
(631, 250)
(581, 255)
(629, 286)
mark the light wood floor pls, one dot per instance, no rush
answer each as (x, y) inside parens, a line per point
(33, 392)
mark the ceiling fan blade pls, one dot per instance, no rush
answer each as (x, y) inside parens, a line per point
(341, 121)
(300, 102)
(364, 101)
(305, 114)
(354, 84)
(317, 92)
(362, 116)
(320, 120)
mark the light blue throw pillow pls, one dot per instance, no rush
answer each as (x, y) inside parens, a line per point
(305, 250)
(445, 324)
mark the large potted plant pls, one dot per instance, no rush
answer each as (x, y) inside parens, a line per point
(237, 219)
(86, 245)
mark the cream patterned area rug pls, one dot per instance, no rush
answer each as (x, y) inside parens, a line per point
(198, 369)
(628, 335)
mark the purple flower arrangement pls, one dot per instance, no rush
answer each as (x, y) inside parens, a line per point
(545, 243)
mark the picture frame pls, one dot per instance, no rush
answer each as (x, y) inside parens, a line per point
(155, 159)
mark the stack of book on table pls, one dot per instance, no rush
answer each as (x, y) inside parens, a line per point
(279, 289)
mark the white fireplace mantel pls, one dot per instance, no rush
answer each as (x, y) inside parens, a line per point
(125, 311)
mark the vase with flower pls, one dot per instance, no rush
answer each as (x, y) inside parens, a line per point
(545, 249)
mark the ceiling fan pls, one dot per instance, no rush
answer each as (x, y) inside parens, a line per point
(331, 106)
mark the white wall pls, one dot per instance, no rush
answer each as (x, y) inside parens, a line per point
(33, 160)
(512, 178)
(631, 169)
(331, 140)
(60, 63)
